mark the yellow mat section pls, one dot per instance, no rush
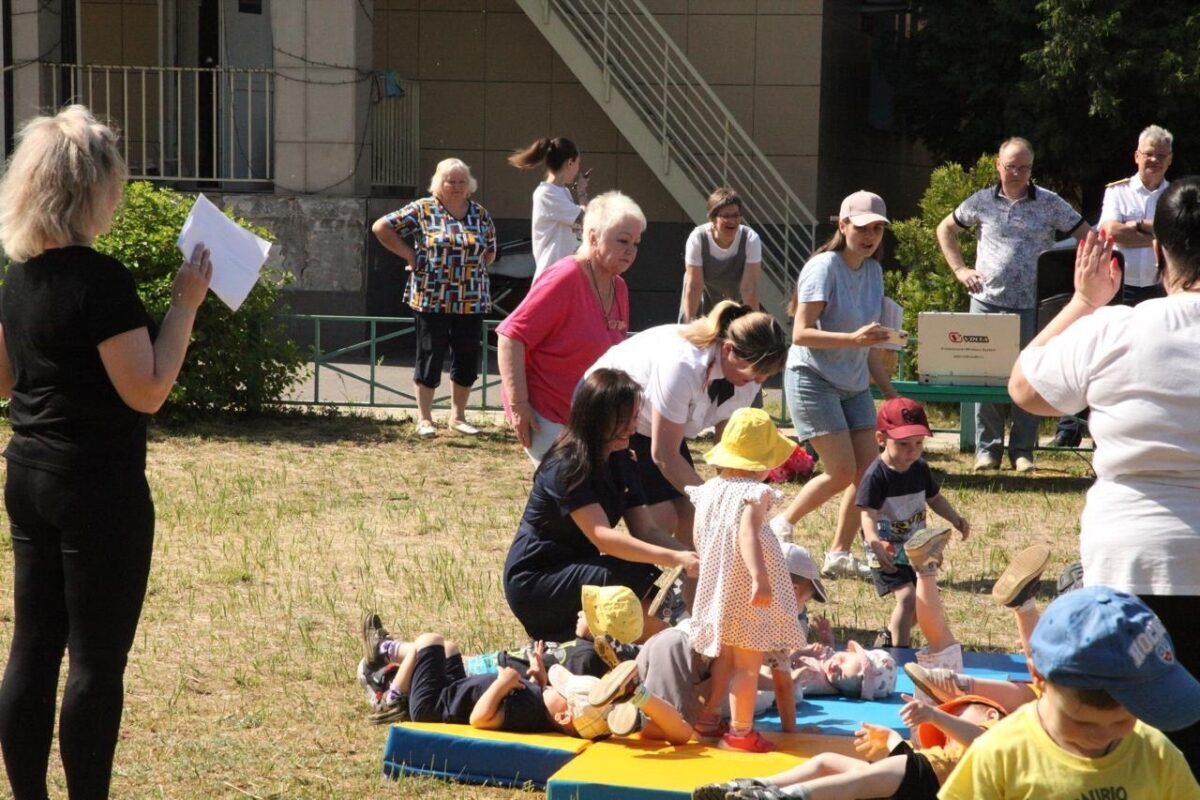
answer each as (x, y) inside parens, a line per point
(553, 741)
(650, 766)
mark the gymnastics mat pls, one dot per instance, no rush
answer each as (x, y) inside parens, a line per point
(463, 753)
(842, 716)
(632, 769)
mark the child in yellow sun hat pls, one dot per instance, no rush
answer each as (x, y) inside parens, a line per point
(744, 603)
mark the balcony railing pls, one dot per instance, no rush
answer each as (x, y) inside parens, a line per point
(396, 137)
(178, 123)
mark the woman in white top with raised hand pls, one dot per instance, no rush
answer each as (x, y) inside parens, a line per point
(1138, 369)
(722, 259)
(557, 216)
(839, 299)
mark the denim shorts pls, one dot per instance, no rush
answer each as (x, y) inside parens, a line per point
(819, 408)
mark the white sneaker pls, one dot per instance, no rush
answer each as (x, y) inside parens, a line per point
(782, 529)
(986, 461)
(843, 565)
(1023, 464)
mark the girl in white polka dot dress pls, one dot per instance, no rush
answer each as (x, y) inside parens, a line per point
(744, 603)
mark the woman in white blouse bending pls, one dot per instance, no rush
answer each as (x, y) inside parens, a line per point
(1138, 369)
(722, 259)
(557, 215)
(693, 377)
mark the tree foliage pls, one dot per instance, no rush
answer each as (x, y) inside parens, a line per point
(1079, 78)
(926, 283)
(237, 361)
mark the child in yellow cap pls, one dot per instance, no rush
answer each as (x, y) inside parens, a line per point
(744, 603)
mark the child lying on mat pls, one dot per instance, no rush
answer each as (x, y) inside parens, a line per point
(432, 685)
(890, 766)
(613, 611)
(816, 668)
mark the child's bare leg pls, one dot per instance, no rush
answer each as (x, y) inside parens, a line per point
(663, 721)
(719, 675)
(1027, 618)
(931, 614)
(818, 766)
(880, 779)
(901, 622)
(1009, 694)
(743, 686)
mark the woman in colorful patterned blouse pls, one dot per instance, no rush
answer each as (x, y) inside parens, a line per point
(447, 240)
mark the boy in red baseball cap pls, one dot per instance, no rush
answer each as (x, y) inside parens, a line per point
(904, 551)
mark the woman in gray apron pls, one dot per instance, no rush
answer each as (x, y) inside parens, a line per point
(722, 259)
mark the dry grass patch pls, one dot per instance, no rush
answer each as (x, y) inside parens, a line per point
(275, 534)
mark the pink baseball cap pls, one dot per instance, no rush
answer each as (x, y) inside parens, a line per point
(863, 208)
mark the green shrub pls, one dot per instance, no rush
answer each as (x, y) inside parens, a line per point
(925, 283)
(236, 362)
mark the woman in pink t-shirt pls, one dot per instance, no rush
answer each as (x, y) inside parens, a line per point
(575, 311)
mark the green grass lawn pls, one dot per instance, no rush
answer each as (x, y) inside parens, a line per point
(275, 534)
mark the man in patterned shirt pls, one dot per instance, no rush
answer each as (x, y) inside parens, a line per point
(1017, 221)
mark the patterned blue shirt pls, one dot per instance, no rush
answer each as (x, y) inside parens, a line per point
(1012, 234)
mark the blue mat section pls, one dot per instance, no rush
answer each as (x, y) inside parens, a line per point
(456, 754)
(842, 716)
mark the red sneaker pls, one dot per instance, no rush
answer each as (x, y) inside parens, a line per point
(752, 742)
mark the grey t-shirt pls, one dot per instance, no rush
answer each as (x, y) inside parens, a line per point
(853, 298)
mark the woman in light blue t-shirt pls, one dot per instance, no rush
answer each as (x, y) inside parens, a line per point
(832, 360)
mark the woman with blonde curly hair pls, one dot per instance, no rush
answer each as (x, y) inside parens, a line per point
(447, 241)
(82, 368)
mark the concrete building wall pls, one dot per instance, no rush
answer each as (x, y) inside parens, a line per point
(490, 83)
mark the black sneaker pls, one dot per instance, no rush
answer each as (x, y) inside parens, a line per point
(373, 635)
(385, 712)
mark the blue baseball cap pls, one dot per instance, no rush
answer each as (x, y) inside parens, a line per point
(1100, 638)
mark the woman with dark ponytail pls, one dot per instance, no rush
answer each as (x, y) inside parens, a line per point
(694, 377)
(557, 216)
(1138, 369)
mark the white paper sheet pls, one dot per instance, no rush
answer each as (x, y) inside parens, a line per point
(237, 254)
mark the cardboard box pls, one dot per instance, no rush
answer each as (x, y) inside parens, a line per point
(967, 349)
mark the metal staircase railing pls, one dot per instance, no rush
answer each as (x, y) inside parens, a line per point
(695, 133)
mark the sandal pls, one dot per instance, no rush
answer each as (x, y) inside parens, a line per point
(718, 791)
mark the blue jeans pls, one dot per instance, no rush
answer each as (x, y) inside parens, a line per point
(989, 417)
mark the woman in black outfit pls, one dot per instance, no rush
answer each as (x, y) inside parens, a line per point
(567, 538)
(78, 360)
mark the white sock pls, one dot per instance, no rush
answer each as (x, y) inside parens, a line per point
(1030, 604)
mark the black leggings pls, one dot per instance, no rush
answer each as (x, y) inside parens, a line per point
(81, 557)
(1178, 613)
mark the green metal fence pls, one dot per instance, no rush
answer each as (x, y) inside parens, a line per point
(378, 392)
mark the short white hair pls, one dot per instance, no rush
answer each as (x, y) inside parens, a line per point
(446, 166)
(606, 210)
(58, 182)
(1154, 134)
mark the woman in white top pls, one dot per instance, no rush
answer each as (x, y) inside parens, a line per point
(693, 377)
(557, 216)
(722, 259)
(1138, 370)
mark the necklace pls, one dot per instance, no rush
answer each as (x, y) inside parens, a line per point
(607, 306)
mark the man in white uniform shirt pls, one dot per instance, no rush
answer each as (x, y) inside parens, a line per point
(1128, 217)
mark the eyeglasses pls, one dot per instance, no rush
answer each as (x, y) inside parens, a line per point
(730, 215)
(1157, 156)
(1017, 169)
